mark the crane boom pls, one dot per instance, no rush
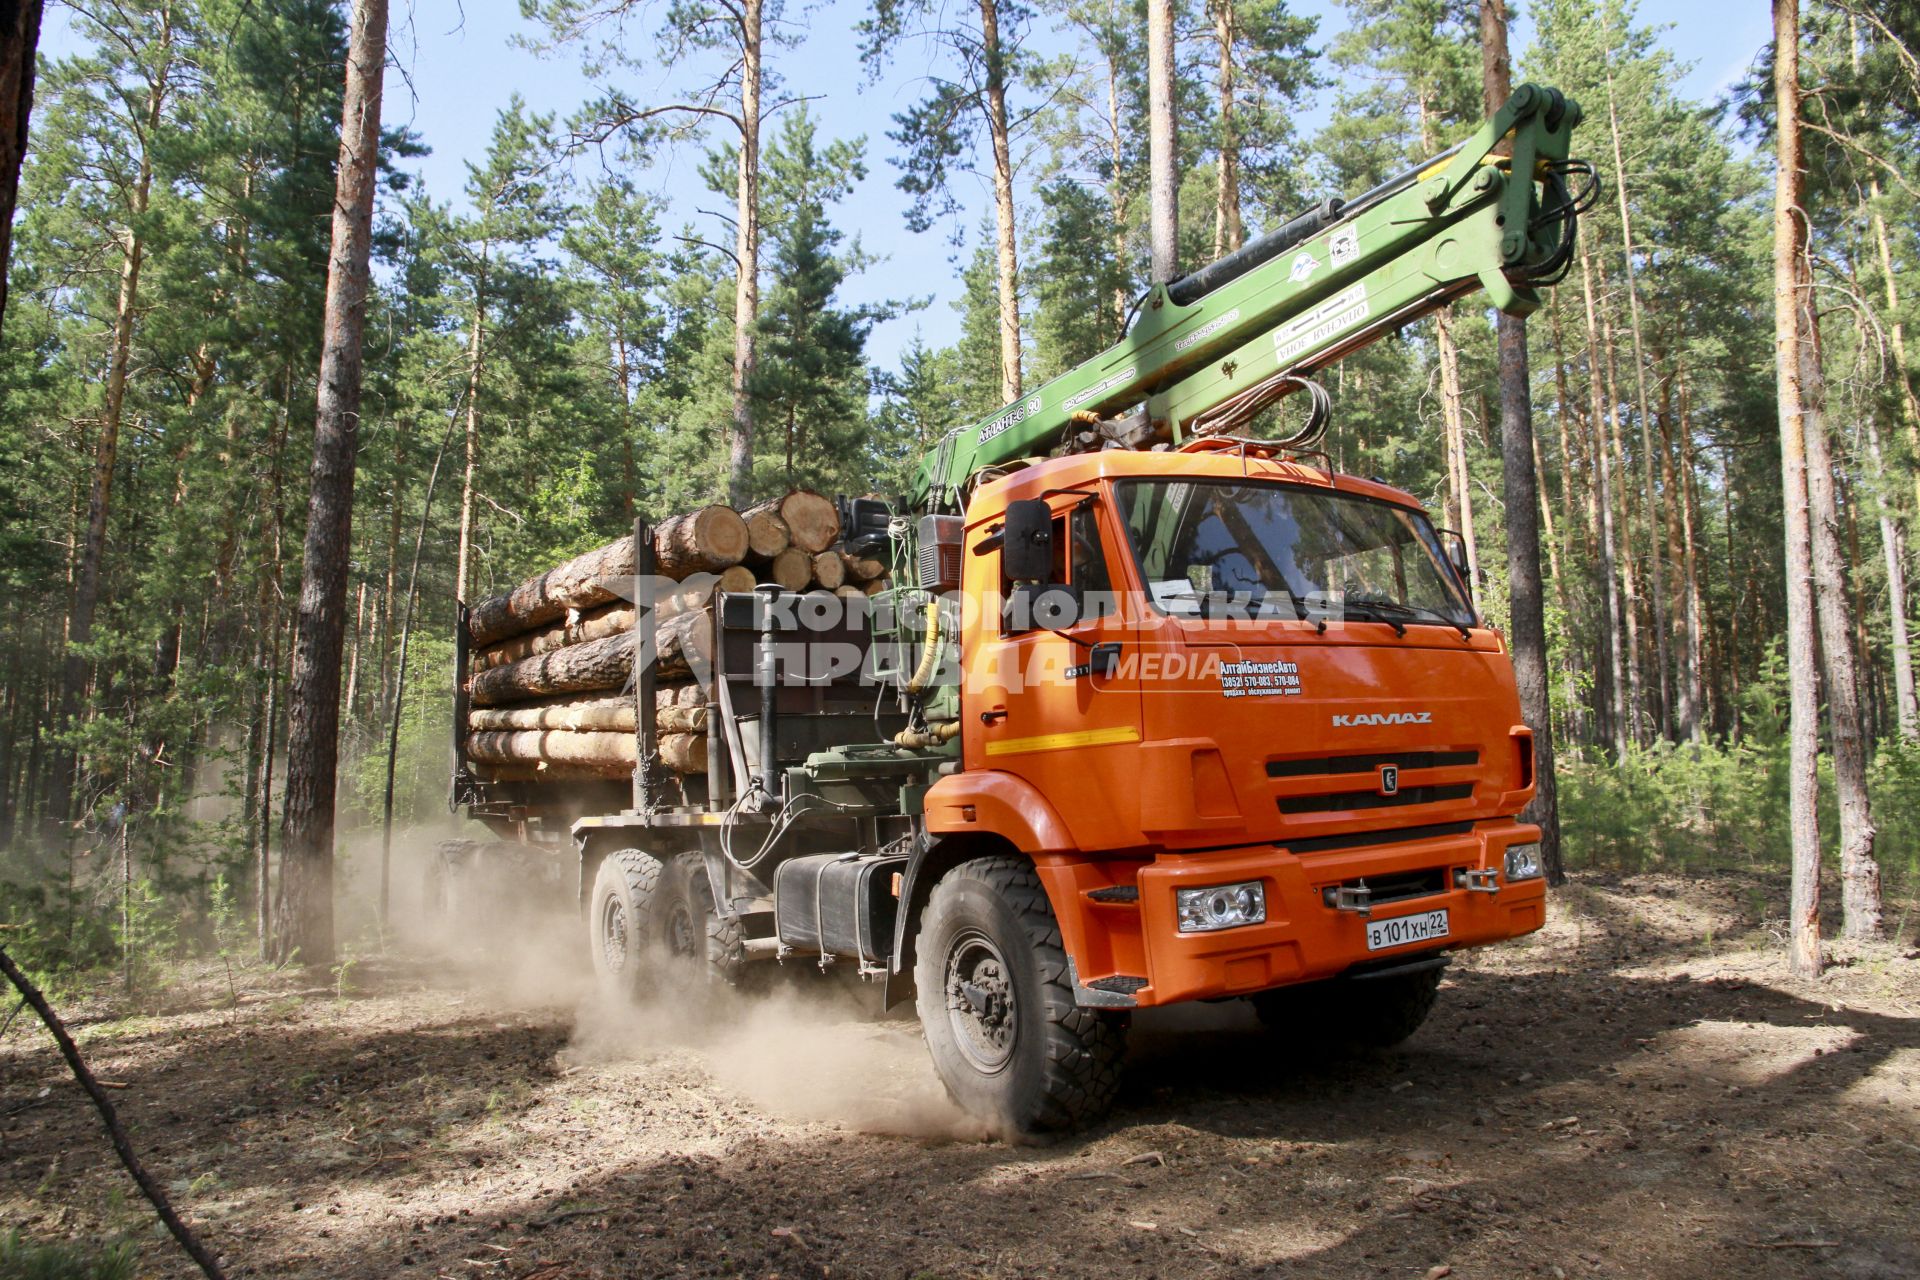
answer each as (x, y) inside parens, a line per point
(1209, 350)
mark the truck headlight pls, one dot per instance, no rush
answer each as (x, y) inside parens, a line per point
(1523, 862)
(1223, 906)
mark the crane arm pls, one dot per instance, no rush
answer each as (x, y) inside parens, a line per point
(1211, 348)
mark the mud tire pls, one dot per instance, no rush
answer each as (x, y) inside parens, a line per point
(621, 922)
(698, 946)
(1374, 1014)
(996, 1005)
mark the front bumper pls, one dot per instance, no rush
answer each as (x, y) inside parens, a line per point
(1123, 942)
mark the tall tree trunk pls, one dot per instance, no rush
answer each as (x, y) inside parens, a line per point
(476, 357)
(1227, 232)
(1603, 502)
(306, 900)
(1909, 403)
(1893, 545)
(1163, 145)
(1859, 873)
(1643, 409)
(1697, 623)
(1685, 724)
(1518, 457)
(1791, 341)
(19, 38)
(1453, 416)
(395, 498)
(1629, 573)
(1004, 213)
(746, 253)
(1118, 206)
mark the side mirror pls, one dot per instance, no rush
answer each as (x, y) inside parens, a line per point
(1026, 548)
(1456, 546)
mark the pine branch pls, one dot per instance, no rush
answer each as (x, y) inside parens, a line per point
(181, 1231)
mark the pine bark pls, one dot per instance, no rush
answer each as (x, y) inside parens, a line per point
(1005, 222)
(1227, 231)
(685, 644)
(1603, 513)
(19, 38)
(709, 540)
(746, 253)
(1791, 340)
(476, 355)
(306, 898)
(1859, 872)
(1643, 410)
(1629, 575)
(1519, 456)
(1893, 546)
(1163, 143)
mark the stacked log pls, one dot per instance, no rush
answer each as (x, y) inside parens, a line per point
(712, 540)
(550, 682)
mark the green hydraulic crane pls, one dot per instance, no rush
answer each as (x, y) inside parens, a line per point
(1210, 350)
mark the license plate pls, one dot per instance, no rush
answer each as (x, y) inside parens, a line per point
(1402, 931)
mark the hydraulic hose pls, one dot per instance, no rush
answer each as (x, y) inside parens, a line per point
(930, 655)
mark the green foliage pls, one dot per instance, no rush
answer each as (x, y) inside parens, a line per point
(23, 1259)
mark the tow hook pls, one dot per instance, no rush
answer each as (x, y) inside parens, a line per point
(1477, 880)
(1356, 898)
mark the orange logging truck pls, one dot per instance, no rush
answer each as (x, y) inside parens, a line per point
(1137, 704)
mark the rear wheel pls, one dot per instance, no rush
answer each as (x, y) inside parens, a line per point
(621, 920)
(997, 1008)
(1376, 1013)
(698, 943)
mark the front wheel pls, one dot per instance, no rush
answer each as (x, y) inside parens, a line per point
(996, 1005)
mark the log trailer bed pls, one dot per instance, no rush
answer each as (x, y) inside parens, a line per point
(1146, 708)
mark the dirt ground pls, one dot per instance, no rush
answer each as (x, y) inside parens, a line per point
(1638, 1090)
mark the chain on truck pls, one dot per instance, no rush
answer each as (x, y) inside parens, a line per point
(1155, 709)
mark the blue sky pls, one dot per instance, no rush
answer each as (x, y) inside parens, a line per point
(459, 61)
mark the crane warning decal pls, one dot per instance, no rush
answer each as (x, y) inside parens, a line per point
(1342, 311)
(1252, 679)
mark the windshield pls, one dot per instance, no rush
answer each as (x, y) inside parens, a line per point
(1289, 552)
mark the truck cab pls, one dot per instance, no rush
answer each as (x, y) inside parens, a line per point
(1248, 731)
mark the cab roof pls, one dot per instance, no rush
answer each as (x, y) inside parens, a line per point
(1077, 470)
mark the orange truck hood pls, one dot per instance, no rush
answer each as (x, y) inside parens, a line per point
(1278, 734)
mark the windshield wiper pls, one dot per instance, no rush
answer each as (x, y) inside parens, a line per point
(1412, 612)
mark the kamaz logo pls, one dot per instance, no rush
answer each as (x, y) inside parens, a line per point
(1380, 717)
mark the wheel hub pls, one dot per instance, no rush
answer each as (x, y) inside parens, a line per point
(980, 1002)
(613, 934)
(680, 932)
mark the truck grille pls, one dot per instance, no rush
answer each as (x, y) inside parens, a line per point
(1340, 801)
(1361, 839)
(1312, 766)
(1398, 887)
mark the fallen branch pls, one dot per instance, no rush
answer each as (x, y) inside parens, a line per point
(151, 1189)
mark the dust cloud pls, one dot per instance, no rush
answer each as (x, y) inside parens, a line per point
(805, 1046)
(808, 1050)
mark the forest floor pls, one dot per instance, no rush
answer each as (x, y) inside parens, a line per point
(1636, 1091)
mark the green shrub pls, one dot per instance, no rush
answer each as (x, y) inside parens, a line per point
(21, 1259)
